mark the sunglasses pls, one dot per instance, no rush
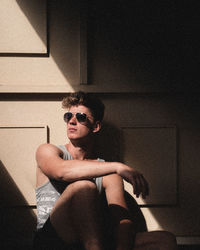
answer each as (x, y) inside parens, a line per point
(80, 117)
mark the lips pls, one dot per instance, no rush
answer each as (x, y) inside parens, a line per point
(72, 130)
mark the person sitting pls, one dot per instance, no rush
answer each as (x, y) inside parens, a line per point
(71, 181)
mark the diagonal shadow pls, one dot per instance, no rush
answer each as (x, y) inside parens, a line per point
(145, 44)
(63, 18)
(16, 221)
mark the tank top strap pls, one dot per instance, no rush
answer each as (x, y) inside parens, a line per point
(66, 154)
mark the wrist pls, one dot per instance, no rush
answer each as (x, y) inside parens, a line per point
(119, 167)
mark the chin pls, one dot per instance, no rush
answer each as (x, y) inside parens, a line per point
(77, 139)
(73, 137)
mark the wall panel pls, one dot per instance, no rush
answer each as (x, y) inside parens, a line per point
(23, 27)
(18, 166)
(152, 150)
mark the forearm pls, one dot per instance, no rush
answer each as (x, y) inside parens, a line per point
(49, 160)
(78, 170)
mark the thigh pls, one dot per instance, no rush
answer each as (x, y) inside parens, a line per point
(67, 207)
(61, 216)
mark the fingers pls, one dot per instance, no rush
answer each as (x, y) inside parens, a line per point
(136, 186)
(140, 186)
(144, 187)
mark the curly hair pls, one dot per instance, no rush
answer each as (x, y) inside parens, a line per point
(81, 98)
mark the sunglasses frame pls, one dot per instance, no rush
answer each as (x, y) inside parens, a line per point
(78, 116)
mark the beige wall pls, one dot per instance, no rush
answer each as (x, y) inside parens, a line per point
(138, 74)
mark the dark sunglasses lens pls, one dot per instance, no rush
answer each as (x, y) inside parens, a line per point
(81, 117)
(67, 116)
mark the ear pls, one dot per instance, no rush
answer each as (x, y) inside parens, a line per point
(96, 127)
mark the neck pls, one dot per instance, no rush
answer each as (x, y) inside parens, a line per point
(80, 151)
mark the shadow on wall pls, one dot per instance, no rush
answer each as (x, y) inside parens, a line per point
(109, 148)
(17, 221)
(32, 10)
(149, 45)
(62, 32)
(108, 143)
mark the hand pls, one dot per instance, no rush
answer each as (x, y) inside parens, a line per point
(140, 185)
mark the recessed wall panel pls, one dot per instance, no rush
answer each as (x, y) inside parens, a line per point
(17, 163)
(152, 150)
(23, 26)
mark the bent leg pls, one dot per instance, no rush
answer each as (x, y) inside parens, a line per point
(76, 215)
(156, 240)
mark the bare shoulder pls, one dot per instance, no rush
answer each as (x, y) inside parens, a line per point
(47, 149)
(45, 153)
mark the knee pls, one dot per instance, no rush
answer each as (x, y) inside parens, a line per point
(83, 186)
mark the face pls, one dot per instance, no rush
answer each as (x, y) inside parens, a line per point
(79, 129)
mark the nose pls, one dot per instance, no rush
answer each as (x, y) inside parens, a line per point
(73, 120)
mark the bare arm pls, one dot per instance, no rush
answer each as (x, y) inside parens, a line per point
(52, 165)
(49, 160)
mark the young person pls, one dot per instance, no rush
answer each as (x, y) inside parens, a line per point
(71, 181)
